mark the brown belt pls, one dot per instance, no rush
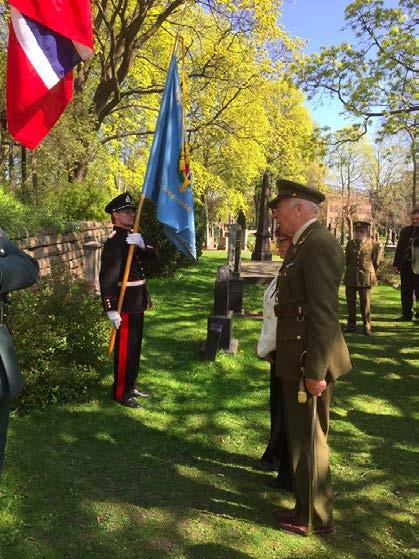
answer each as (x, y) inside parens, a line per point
(291, 311)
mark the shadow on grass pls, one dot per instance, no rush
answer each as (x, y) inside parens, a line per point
(100, 481)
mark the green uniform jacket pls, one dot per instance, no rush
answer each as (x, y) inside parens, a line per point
(311, 277)
(17, 271)
(362, 260)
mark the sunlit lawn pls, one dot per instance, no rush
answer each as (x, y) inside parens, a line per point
(176, 479)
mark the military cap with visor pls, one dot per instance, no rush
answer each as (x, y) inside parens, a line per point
(361, 225)
(291, 189)
(121, 202)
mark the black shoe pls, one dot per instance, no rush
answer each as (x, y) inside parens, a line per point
(136, 392)
(281, 482)
(350, 328)
(129, 402)
(404, 319)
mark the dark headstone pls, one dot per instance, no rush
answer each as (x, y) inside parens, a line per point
(221, 294)
(236, 295)
(262, 246)
(213, 341)
(220, 324)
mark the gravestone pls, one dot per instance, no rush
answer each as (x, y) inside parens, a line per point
(222, 240)
(236, 283)
(262, 250)
(221, 336)
(234, 232)
(92, 251)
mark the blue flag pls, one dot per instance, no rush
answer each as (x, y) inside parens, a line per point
(167, 180)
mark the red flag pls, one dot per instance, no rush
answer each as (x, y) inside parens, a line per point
(47, 38)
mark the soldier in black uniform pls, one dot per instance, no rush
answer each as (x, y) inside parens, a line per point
(129, 323)
(17, 271)
(406, 262)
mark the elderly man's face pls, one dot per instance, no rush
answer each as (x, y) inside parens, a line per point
(286, 217)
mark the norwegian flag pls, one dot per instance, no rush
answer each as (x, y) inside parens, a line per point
(47, 38)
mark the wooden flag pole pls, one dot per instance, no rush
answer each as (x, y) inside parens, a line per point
(135, 229)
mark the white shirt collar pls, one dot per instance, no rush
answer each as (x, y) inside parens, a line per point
(301, 230)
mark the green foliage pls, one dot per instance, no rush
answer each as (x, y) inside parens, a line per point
(386, 273)
(58, 334)
(373, 78)
(17, 218)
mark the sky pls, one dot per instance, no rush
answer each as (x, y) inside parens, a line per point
(320, 22)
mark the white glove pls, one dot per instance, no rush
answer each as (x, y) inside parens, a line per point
(136, 239)
(115, 318)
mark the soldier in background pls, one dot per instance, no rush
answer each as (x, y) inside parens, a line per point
(17, 271)
(406, 262)
(129, 324)
(363, 255)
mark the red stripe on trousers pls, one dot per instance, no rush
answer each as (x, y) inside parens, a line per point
(123, 353)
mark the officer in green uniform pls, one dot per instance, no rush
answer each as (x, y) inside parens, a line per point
(310, 348)
(363, 255)
(17, 271)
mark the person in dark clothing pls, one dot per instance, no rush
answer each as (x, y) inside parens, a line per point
(275, 456)
(130, 322)
(17, 271)
(406, 262)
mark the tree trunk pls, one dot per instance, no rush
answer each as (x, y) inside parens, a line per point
(24, 174)
(11, 166)
(34, 176)
(342, 229)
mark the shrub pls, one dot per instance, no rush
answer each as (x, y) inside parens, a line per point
(386, 273)
(59, 334)
(17, 218)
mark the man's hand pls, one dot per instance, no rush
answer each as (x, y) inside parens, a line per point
(136, 239)
(315, 387)
(115, 318)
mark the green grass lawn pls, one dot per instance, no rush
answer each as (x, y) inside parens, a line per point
(176, 479)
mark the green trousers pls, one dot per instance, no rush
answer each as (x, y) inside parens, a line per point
(298, 424)
(364, 303)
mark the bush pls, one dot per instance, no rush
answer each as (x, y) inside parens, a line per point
(386, 273)
(59, 334)
(17, 218)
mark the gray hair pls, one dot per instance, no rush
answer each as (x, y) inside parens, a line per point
(309, 207)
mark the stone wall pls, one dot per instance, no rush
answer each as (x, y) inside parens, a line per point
(71, 248)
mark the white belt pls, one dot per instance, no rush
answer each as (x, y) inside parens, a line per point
(133, 283)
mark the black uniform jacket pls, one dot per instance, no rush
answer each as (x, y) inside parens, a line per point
(114, 257)
(402, 257)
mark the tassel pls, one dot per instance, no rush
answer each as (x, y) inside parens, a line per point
(187, 155)
(182, 165)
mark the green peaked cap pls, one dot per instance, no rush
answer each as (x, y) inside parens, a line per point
(291, 189)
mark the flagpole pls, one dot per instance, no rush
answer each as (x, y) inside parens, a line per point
(136, 225)
(124, 282)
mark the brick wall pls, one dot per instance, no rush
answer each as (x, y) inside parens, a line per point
(49, 248)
